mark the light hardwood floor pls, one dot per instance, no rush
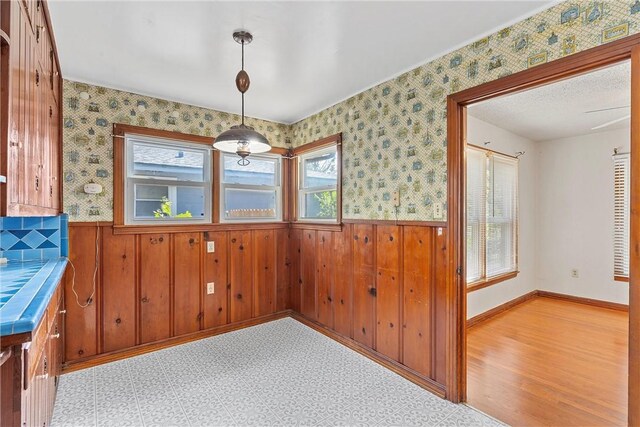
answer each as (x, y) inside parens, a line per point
(550, 362)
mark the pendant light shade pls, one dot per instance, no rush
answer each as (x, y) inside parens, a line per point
(241, 139)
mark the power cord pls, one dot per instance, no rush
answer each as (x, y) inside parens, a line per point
(95, 272)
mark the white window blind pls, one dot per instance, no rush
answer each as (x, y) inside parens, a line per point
(492, 214)
(621, 215)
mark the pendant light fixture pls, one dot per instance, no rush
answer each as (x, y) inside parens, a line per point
(241, 139)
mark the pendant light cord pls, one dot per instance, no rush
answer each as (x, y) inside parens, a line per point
(242, 92)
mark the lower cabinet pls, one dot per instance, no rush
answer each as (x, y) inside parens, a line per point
(30, 371)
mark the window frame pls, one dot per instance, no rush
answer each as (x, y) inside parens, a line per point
(120, 132)
(130, 180)
(484, 280)
(621, 161)
(247, 187)
(306, 151)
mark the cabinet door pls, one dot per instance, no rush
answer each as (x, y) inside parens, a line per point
(118, 291)
(241, 275)
(186, 282)
(54, 154)
(154, 287)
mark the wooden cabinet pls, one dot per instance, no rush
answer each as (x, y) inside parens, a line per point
(30, 112)
(31, 368)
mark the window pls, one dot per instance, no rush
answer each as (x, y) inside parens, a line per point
(166, 181)
(621, 216)
(252, 192)
(492, 217)
(318, 173)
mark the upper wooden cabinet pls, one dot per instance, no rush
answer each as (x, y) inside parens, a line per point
(30, 111)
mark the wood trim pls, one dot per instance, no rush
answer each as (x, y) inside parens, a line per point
(562, 68)
(442, 224)
(216, 176)
(581, 300)
(316, 226)
(501, 308)
(621, 279)
(379, 358)
(178, 228)
(319, 144)
(634, 247)
(119, 131)
(489, 282)
(91, 224)
(294, 181)
(169, 342)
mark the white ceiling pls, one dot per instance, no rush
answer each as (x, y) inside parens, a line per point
(305, 56)
(565, 108)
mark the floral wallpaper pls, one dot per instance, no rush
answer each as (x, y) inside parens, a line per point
(88, 115)
(394, 134)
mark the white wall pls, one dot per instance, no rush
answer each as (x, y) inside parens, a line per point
(506, 142)
(575, 216)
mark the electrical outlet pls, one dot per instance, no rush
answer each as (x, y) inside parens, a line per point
(396, 198)
(211, 246)
(211, 288)
(437, 210)
(574, 273)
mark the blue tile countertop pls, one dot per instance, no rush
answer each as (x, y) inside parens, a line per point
(25, 291)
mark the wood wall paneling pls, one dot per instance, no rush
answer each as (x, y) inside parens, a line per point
(81, 324)
(343, 285)
(296, 269)
(215, 307)
(325, 270)
(439, 304)
(418, 247)
(265, 274)
(389, 290)
(364, 288)
(155, 287)
(308, 292)
(187, 292)
(283, 270)
(241, 275)
(118, 290)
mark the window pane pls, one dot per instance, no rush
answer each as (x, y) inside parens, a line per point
(320, 171)
(169, 202)
(159, 161)
(243, 204)
(321, 205)
(500, 251)
(258, 172)
(474, 252)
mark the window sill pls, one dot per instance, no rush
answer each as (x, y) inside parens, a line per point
(621, 279)
(321, 226)
(481, 284)
(186, 228)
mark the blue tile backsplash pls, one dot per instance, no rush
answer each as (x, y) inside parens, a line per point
(34, 237)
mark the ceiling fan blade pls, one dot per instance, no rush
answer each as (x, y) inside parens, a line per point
(604, 125)
(606, 109)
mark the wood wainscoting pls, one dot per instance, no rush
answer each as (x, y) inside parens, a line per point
(150, 288)
(376, 287)
(379, 289)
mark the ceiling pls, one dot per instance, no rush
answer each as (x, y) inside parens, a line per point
(565, 108)
(305, 56)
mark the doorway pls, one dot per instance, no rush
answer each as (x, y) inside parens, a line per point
(577, 64)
